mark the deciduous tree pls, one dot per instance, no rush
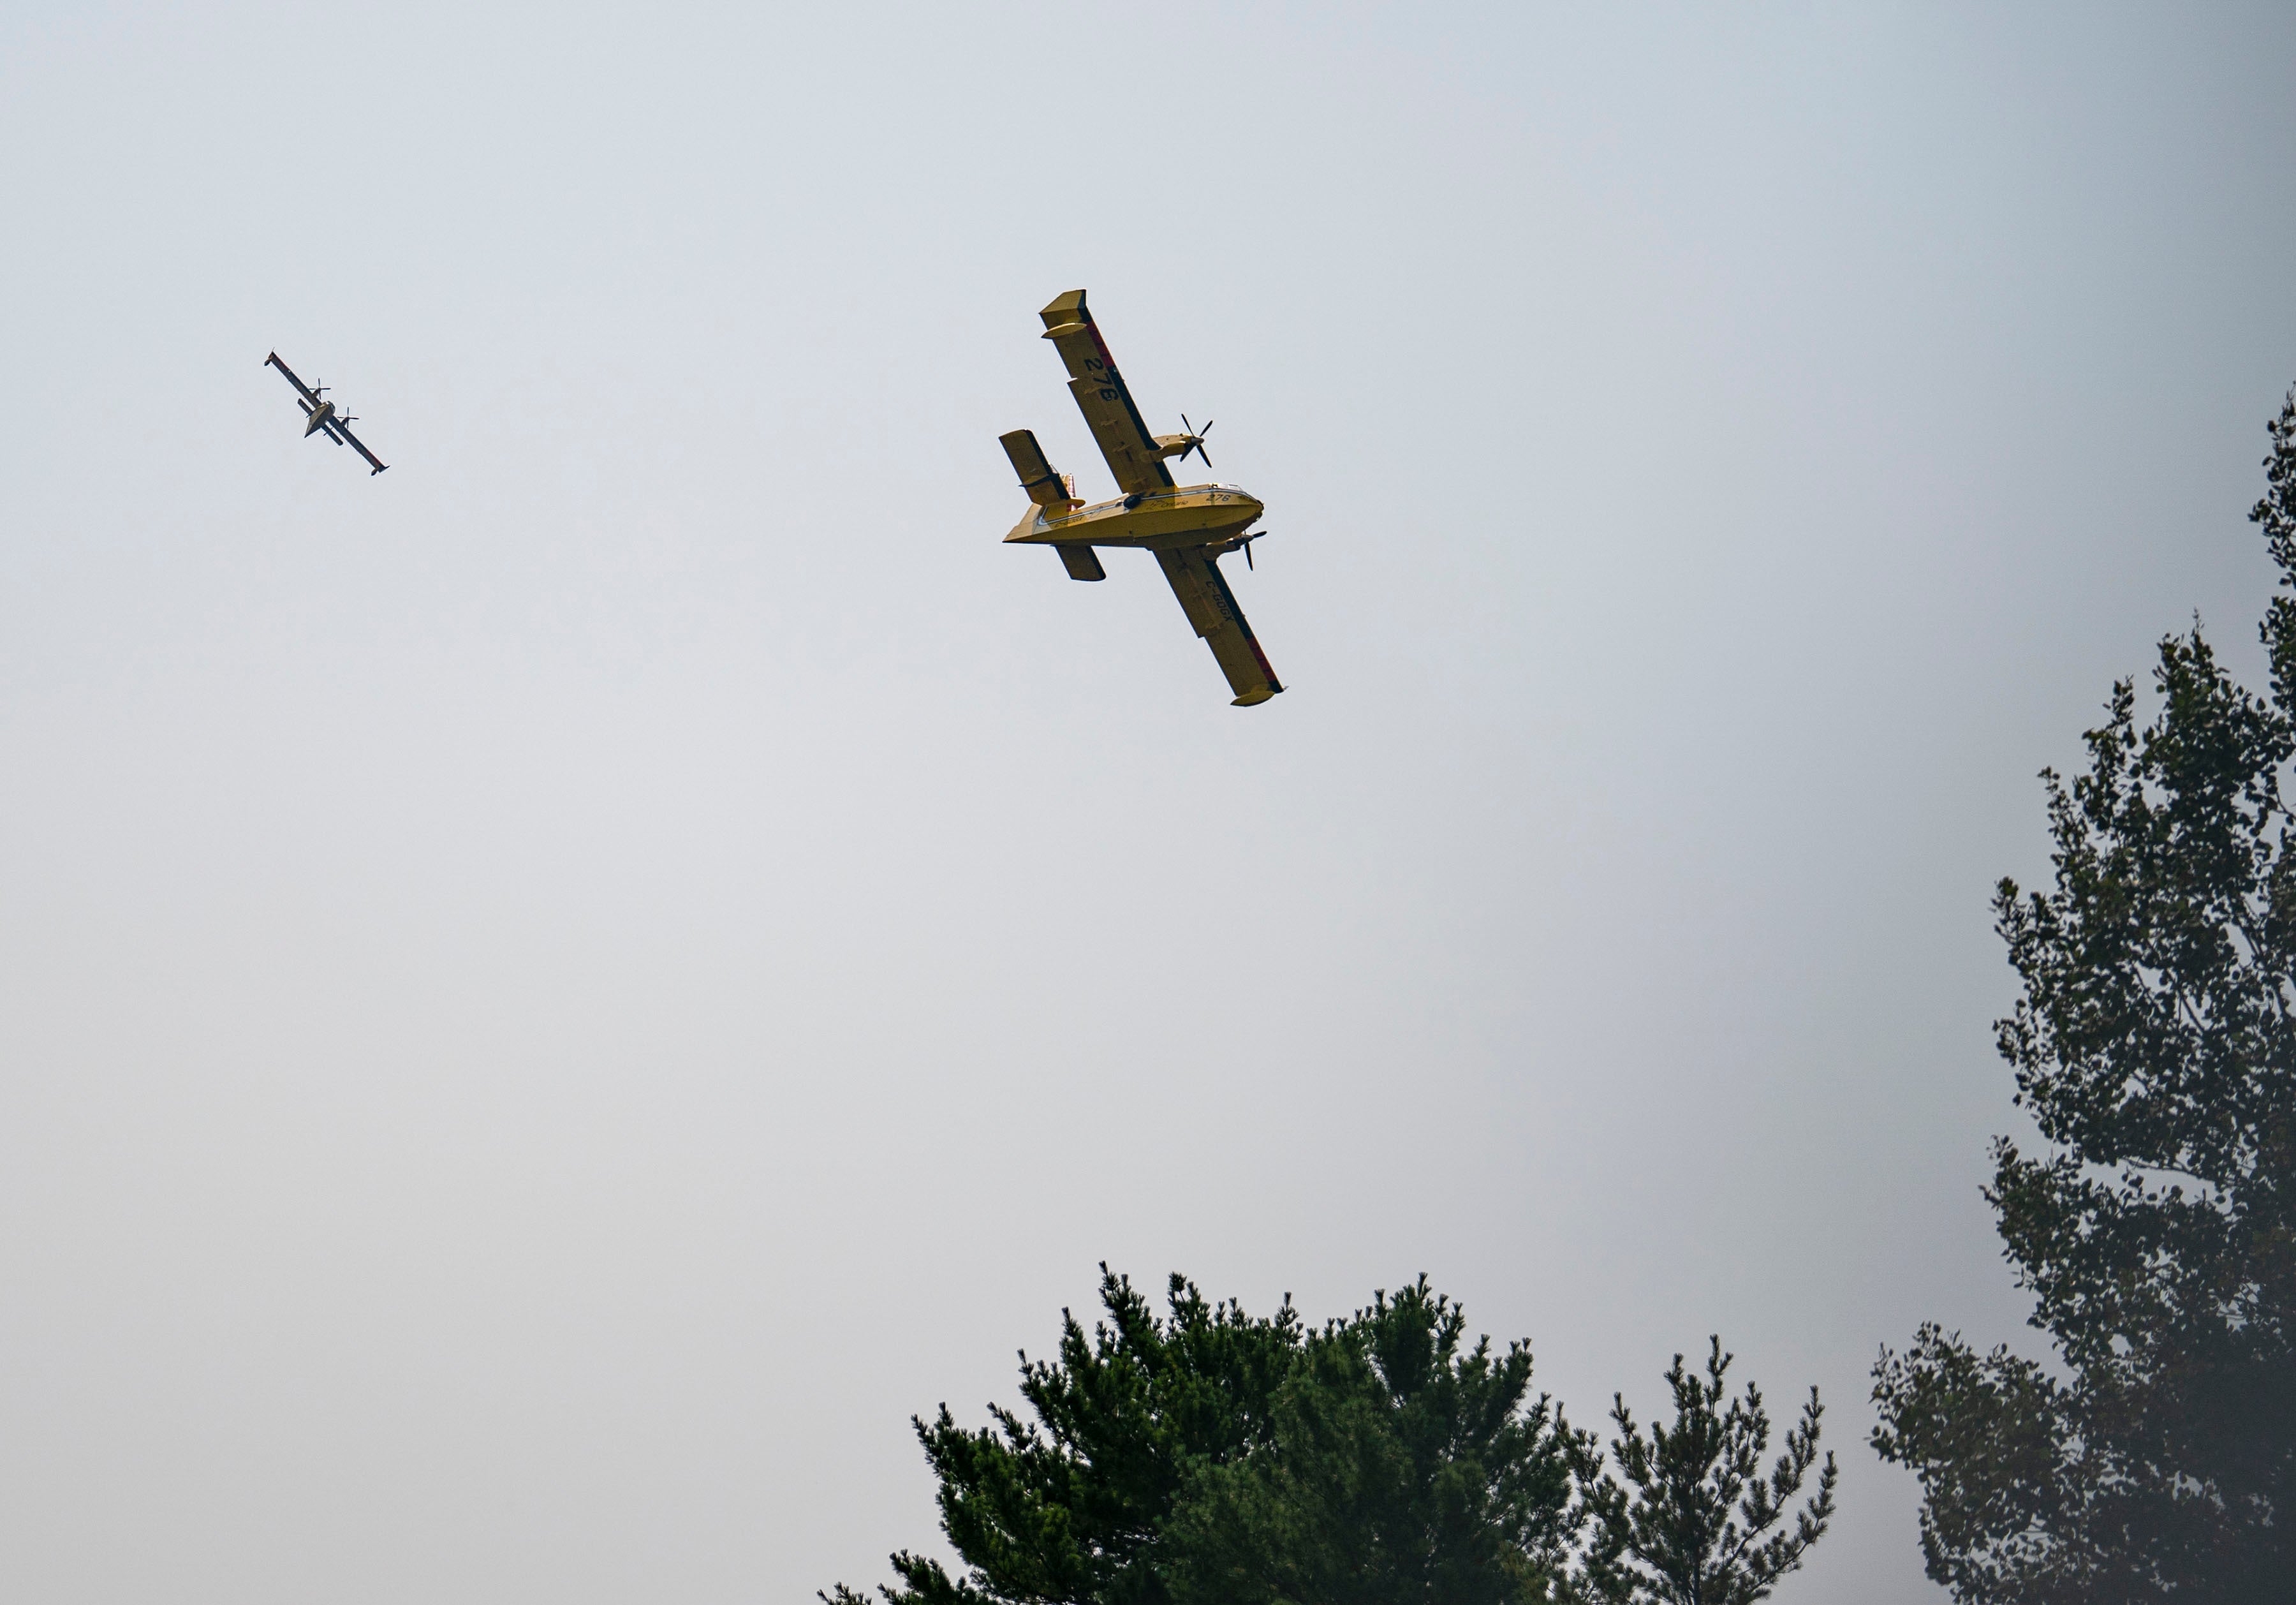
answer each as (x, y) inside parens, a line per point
(2155, 1047)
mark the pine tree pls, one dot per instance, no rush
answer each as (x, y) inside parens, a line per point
(1213, 1458)
(1072, 1506)
(1696, 1521)
(1407, 1468)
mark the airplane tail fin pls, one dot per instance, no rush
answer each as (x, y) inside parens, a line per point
(1045, 488)
(1050, 493)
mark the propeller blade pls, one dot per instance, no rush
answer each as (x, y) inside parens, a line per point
(1196, 440)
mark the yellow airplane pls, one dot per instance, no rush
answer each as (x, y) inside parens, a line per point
(1190, 528)
(323, 415)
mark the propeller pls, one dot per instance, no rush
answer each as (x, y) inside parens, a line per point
(1196, 442)
(1243, 542)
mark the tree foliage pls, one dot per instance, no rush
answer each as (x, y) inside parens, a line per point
(1404, 1468)
(1073, 1505)
(2153, 1047)
(1213, 1458)
(1702, 1525)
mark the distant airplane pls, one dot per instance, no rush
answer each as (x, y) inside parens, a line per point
(324, 416)
(1189, 528)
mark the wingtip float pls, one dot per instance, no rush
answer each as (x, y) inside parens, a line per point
(1189, 528)
(321, 415)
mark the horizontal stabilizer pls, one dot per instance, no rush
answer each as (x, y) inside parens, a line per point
(1081, 562)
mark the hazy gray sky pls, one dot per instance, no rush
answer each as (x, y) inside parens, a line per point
(550, 998)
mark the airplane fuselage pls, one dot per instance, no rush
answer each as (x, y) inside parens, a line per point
(319, 416)
(1185, 516)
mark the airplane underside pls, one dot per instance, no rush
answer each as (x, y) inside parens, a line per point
(1196, 515)
(322, 417)
(1187, 530)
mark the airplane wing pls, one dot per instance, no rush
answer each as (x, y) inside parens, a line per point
(1204, 596)
(311, 401)
(1101, 395)
(375, 464)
